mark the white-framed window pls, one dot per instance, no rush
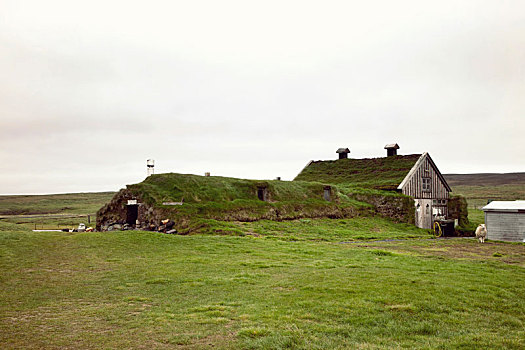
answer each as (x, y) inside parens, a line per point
(426, 184)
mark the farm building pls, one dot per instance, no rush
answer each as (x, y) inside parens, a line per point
(190, 201)
(505, 220)
(329, 189)
(414, 175)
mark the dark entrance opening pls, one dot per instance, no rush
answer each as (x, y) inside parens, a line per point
(261, 193)
(132, 213)
(327, 195)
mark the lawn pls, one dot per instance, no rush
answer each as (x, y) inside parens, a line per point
(52, 211)
(137, 289)
(335, 230)
(68, 203)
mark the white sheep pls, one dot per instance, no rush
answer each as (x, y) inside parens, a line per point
(481, 233)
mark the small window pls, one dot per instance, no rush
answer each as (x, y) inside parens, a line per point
(327, 195)
(262, 193)
(426, 184)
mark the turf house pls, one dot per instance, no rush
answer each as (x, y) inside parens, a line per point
(404, 188)
(414, 175)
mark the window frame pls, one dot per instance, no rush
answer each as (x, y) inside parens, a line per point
(426, 184)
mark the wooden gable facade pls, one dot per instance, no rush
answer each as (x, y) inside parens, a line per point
(430, 191)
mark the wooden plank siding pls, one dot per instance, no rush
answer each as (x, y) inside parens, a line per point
(414, 185)
(439, 190)
(503, 226)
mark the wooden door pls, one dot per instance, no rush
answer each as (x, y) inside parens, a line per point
(424, 213)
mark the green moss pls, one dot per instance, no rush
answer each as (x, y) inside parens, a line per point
(377, 173)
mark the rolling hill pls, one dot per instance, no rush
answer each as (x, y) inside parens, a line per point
(485, 179)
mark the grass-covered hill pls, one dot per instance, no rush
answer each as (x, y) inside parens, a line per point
(230, 199)
(202, 189)
(378, 173)
(67, 203)
(478, 189)
(485, 179)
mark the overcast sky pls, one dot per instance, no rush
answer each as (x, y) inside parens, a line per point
(253, 89)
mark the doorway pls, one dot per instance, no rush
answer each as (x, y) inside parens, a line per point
(262, 193)
(132, 213)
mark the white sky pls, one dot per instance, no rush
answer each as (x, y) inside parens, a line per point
(253, 89)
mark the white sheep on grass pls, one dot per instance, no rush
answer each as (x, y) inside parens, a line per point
(481, 233)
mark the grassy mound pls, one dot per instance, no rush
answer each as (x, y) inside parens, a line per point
(378, 173)
(202, 189)
(228, 199)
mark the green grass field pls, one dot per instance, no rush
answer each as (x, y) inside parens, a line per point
(331, 230)
(477, 196)
(148, 290)
(69, 203)
(52, 211)
(357, 283)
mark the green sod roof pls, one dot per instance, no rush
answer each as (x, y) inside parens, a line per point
(378, 173)
(172, 187)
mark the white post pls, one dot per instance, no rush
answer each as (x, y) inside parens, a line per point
(150, 163)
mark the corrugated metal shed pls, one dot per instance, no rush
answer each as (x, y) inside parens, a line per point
(505, 220)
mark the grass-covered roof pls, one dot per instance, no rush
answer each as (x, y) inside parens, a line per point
(228, 199)
(378, 173)
(201, 189)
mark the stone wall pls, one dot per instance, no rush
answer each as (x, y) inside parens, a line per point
(114, 213)
(458, 209)
(398, 208)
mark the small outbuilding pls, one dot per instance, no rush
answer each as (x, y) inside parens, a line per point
(505, 220)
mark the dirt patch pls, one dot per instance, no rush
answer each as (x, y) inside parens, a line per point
(459, 248)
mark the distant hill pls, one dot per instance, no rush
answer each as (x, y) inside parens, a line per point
(487, 179)
(67, 203)
(480, 188)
